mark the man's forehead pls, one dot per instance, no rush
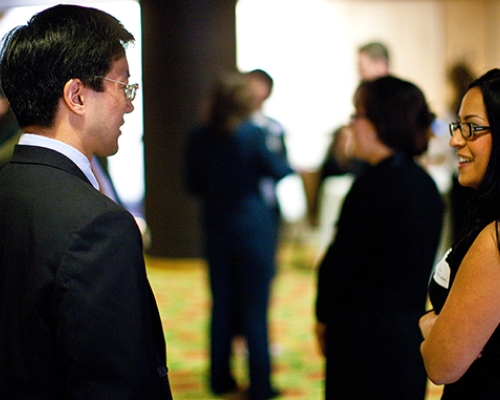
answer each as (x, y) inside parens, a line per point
(121, 68)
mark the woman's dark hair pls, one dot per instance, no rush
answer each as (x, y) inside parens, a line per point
(485, 205)
(398, 110)
(58, 44)
(230, 103)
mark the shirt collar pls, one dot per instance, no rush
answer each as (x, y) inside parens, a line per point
(31, 139)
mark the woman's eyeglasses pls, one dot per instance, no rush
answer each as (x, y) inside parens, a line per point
(467, 129)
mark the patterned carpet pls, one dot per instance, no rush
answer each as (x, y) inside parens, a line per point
(181, 290)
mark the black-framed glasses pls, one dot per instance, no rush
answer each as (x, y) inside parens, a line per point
(467, 129)
(129, 89)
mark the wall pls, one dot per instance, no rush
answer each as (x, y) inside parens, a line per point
(472, 33)
(185, 44)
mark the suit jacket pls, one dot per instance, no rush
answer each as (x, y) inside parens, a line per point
(78, 319)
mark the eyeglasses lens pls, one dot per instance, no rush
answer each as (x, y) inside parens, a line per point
(465, 129)
(130, 91)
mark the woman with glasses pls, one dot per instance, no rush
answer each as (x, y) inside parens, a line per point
(462, 339)
(372, 282)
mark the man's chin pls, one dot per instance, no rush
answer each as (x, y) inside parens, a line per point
(103, 153)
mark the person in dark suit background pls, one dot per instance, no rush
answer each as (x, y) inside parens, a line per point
(226, 158)
(372, 281)
(261, 84)
(78, 319)
(373, 61)
(460, 76)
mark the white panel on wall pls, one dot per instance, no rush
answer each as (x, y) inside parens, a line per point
(310, 47)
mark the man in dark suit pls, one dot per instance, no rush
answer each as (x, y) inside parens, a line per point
(78, 319)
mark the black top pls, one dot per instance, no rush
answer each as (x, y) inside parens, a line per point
(386, 241)
(482, 379)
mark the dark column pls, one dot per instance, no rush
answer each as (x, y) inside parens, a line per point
(186, 43)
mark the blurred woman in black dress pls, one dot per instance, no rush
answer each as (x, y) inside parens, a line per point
(372, 282)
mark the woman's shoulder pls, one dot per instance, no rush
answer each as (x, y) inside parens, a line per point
(489, 235)
(484, 245)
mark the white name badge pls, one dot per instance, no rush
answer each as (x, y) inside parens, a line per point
(442, 272)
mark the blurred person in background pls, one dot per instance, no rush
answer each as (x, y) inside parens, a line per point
(373, 61)
(460, 76)
(261, 84)
(226, 159)
(372, 281)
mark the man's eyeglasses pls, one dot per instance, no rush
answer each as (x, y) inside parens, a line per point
(130, 90)
(467, 129)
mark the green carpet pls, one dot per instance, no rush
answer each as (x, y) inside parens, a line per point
(181, 290)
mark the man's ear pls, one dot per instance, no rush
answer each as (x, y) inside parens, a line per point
(74, 95)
